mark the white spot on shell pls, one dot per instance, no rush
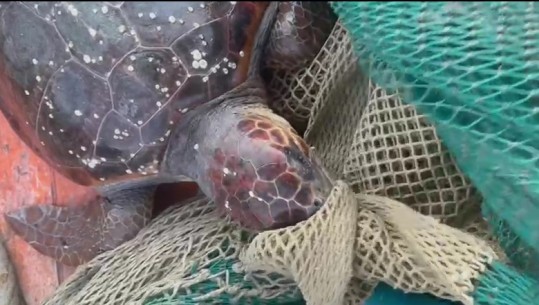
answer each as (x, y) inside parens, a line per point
(128, 171)
(225, 70)
(202, 5)
(96, 116)
(242, 53)
(251, 194)
(70, 44)
(83, 148)
(86, 58)
(152, 15)
(196, 146)
(158, 28)
(26, 92)
(178, 83)
(121, 28)
(102, 179)
(196, 65)
(92, 32)
(203, 64)
(101, 42)
(77, 112)
(104, 9)
(196, 25)
(140, 15)
(196, 55)
(130, 68)
(38, 78)
(226, 171)
(205, 79)
(93, 163)
(51, 63)
(34, 61)
(140, 122)
(100, 58)
(72, 10)
(190, 9)
(172, 19)
(70, 152)
(158, 104)
(181, 21)
(184, 110)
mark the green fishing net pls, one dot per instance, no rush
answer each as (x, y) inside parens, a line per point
(473, 69)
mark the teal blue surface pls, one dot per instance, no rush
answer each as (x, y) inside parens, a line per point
(385, 295)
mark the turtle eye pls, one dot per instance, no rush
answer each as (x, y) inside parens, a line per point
(318, 203)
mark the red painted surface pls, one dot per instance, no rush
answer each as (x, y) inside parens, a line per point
(25, 180)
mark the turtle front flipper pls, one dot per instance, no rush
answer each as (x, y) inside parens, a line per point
(74, 235)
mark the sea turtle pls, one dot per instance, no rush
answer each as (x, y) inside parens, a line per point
(124, 96)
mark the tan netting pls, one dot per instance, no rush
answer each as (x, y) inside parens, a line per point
(375, 146)
(394, 244)
(10, 293)
(172, 255)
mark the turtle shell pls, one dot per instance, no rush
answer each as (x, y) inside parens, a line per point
(95, 87)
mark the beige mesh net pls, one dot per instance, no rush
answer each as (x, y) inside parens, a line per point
(9, 290)
(392, 174)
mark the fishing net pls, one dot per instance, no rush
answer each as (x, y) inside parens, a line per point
(10, 293)
(430, 195)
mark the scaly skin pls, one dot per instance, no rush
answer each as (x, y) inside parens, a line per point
(76, 234)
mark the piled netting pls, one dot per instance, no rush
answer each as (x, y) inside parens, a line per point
(10, 293)
(401, 212)
(473, 69)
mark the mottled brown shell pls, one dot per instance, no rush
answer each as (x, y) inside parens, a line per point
(95, 87)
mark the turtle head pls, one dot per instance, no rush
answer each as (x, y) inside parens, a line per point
(250, 162)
